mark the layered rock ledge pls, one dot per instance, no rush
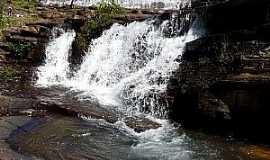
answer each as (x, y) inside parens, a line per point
(224, 77)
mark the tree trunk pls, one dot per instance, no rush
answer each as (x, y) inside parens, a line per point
(1, 8)
(71, 4)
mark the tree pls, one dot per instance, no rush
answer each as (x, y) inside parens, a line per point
(71, 4)
(1, 8)
(1, 13)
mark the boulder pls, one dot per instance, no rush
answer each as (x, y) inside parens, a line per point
(141, 124)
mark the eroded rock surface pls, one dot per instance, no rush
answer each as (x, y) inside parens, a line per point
(224, 75)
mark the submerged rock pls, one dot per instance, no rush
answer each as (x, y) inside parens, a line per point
(141, 124)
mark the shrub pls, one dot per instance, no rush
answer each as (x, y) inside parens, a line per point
(105, 12)
(109, 7)
(8, 73)
(20, 50)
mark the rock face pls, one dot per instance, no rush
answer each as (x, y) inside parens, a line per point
(224, 76)
(27, 43)
(225, 15)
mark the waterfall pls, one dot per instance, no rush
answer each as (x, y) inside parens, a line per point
(165, 4)
(56, 66)
(128, 66)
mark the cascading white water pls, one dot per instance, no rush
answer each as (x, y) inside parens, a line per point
(56, 66)
(165, 4)
(128, 66)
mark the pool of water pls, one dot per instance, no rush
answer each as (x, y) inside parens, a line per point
(58, 137)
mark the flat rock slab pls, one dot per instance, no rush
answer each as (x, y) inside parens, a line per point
(15, 106)
(141, 124)
(78, 109)
(70, 107)
(7, 126)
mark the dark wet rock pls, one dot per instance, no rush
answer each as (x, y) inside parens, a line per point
(211, 61)
(18, 39)
(231, 54)
(224, 76)
(76, 22)
(12, 106)
(226, 15)
(4, 46)
(49, 101)
(79, 109)
(4, 53)
(141, 124)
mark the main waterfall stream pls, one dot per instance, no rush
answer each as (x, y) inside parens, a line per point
(127, 67)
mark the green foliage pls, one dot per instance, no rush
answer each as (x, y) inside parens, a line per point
(103, 19)
(20, 50)
(109, 7)
(106, 10)
(5, 22)
(7, 73)
(25, 4)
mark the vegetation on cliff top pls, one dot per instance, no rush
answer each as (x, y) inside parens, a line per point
(24, 11)
(103, 19)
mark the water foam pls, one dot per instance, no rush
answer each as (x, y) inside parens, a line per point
(130, 66)
(160, 4)
(56, 66)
